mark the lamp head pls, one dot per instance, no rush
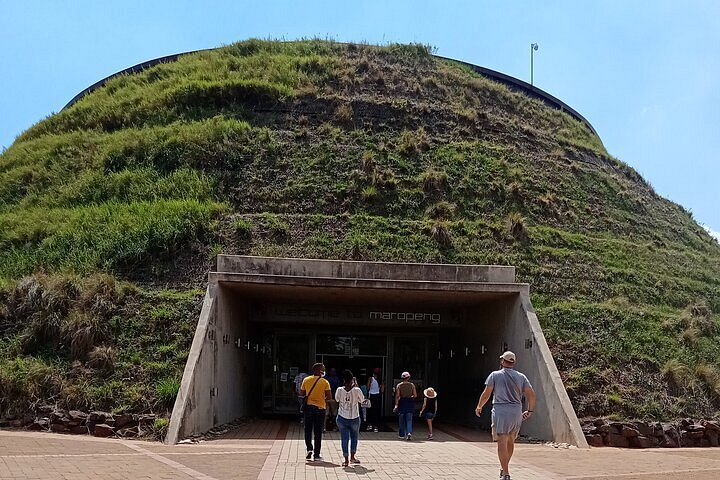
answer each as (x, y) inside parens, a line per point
(534, 46)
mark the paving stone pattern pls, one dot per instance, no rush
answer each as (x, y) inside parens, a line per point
(384, 456)
(270, 449)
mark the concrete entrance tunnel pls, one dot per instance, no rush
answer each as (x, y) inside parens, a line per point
(264, 320)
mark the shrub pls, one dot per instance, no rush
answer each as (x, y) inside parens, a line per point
(159, 427)
(690, 336)
(710, 376)
(356, 245)
(344, 113)
(441, 211)
(277, 226)
(369, 193)
(24, 382)
(547, 199)
(515, 226)
(167, 389)
(433, 180)
(99, 294)
(514, 190)
(80, 331)
(678, 374)
(367, 163)
(413, 142)
(384, 178)
(440, 232)
(102, 358)
(243, 227)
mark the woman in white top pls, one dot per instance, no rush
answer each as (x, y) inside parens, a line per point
(349, 397)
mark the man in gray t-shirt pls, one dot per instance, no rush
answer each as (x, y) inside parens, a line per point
(508, 386)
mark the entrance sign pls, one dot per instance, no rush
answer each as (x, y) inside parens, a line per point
(379, 315)
(407, 317)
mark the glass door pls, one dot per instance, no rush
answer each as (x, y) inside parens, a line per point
(292, 353)
(410, 355)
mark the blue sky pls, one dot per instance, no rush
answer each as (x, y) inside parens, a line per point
(646, 74)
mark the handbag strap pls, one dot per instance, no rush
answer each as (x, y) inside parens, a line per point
(312, 388)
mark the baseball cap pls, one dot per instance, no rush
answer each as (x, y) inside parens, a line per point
(405, 375)
(508, 356)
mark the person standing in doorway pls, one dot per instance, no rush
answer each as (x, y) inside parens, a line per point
(349, 397)
(363, 409)
(316, 391)
(332, 406)
(376, 388)
(405, 395)
(429, 409)
(297, 384)
(507, 386)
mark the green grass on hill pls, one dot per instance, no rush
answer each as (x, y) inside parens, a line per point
(328, 150)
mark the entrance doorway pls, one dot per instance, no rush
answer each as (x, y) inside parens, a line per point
(362, 366)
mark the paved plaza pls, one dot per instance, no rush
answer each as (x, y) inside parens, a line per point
(272, 449)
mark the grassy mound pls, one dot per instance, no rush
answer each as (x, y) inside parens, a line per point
(328, 150)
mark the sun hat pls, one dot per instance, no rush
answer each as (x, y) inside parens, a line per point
(430, 392)
(508, 357)
(405, 375)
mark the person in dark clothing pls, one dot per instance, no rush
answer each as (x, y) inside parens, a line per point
(429, 409)
(376, 388)
(316, 391)
(332, 406)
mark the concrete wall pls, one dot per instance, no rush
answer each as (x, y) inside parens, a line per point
(554, 416)
(365, 270)
(485, 335)
(228, 378)
(511, 323)
(221, 382)
(193, 410)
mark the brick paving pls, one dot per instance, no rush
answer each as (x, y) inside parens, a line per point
(384, 456)
(271, 449)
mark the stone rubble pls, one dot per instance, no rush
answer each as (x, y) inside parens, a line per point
(602, 432)
(100, 424)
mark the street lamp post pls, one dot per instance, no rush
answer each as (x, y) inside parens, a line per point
(533, 49)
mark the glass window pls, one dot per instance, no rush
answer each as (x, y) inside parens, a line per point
(334, 345)
(292, 358)
(369, 345)
(344, 345)
(409, 356)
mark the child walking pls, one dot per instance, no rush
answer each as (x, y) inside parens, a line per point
(429, 409)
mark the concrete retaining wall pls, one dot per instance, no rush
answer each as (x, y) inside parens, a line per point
(222, 382)
(554, 417)
(193, 410)
(432, 272)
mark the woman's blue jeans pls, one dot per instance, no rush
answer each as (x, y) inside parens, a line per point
(405, 420)
(349, 432)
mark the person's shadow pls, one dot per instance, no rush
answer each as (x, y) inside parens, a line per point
(322, 464)
(358, 469)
